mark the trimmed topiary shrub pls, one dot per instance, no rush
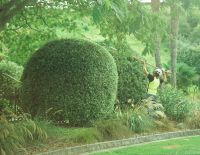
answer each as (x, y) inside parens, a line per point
(10, 74)
(77, 78)
(132, 84)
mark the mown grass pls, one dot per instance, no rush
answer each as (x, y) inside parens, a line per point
(180, 146)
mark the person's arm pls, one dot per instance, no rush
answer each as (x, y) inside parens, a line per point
(168, 73)
(164, 76)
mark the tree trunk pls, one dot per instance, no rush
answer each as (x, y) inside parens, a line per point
(157, 52)
(155, 5)
(10, 9)
(173, 41)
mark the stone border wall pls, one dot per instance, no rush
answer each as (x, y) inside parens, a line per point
(119, 143)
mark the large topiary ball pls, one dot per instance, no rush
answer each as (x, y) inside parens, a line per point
(132, 83)
(75, 76)
(10, 74)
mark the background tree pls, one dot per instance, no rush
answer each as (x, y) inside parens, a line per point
(39, 23)
(155, 5)
(189, 29)
(9, 8)
(175, 10)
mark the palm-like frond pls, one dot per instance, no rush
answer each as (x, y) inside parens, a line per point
(16, 131)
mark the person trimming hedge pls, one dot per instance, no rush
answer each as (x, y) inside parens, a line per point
(156, 79)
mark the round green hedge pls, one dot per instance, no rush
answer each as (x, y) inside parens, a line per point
(132, 83)
(75, 76)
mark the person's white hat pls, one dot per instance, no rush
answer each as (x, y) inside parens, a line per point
(158, 71)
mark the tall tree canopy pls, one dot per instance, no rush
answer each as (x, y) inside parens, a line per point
(115, 19)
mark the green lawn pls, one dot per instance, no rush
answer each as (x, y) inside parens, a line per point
(180, 146)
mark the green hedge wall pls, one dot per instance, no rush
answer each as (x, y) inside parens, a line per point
(75, 76)
(132, 83)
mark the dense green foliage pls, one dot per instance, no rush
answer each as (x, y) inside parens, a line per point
(77, 78)
(140, 121)
(191, 57)
(114, 19)
(186, 76)
(16, 131)
(195, 35)
(79, 86)
(113, 128)
(188, 47)
(36, 28)
(175, 104)
(193, 122)
(132, 84)
(143, 117)
(10, 74)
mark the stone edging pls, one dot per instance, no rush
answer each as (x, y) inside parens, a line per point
(119, 143)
